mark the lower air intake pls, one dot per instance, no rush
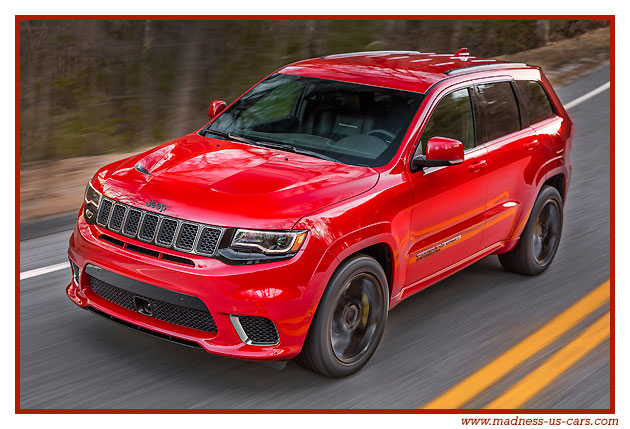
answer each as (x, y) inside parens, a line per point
(76, 273)
(258, 331)
(162, 310)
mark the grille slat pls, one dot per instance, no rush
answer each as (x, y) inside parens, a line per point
(186, 237)
(103, 213)
(163, 231)
(208, 241)
(149, 226)
(133, 222)
(162, 310)
(167, 232)
(117, 217)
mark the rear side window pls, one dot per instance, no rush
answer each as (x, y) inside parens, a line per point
(500, 111)
(452, 118)
(535, 100)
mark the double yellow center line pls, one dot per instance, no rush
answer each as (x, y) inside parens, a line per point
(526, 388)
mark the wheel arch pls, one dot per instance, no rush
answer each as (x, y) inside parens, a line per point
(375, 241)
(558, 181)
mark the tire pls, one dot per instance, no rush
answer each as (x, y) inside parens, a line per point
(540, 238)
(351, 314)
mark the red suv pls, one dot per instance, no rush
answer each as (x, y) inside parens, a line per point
(291, 223)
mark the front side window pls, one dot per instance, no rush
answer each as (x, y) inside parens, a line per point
(535, 100)
(349, 123)
(500, 111)
(452, 118)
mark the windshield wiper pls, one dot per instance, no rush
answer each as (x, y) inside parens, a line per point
(281, 146)
(231, 136)
(312, 153)
(296, 149)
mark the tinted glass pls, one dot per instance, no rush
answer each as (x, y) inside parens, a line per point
(535, 100)
(350, 123)
(452, 118)
(501, 115)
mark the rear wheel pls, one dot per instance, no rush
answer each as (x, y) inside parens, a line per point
(349, 321)
(541, 237)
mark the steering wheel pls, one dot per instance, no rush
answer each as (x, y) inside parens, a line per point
(383, 132)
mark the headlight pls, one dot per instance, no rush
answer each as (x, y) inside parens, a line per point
(269, 242)
(92, 196)
(92, 199)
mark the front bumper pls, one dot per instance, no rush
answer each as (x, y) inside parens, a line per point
(285, 292)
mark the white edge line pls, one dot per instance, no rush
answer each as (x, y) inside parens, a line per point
(44, 270)
(588, 95)
(57, 267)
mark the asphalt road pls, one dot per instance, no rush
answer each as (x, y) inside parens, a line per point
(70, 358)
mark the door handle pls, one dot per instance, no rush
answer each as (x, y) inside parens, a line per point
(477, 165)
(530, 144)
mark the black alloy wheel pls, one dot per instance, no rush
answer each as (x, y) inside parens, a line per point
(350, 319)
(540, 239)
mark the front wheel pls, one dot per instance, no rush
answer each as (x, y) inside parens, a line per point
(540, 238)
(349, 321)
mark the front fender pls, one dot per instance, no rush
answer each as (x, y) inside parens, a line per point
(380, 216)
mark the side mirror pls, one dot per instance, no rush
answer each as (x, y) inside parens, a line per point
(441, 151)
(216, 107)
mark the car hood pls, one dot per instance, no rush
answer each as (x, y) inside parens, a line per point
(231, 184)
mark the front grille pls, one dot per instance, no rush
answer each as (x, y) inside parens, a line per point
(162, 231)
(162, 310)
(259, 330)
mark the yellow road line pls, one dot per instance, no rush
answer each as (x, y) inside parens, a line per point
(553, 367)
(477, 382)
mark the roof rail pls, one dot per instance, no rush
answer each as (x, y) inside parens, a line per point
(356, 54)
(482, 67)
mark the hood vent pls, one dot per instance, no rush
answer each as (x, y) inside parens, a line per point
(142, 170)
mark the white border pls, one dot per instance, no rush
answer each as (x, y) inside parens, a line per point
(294, 7)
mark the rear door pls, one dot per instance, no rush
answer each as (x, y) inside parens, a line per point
(538, 112)
(513, 159)
(447, 216)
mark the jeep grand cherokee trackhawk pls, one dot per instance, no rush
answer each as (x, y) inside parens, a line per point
(291, 223)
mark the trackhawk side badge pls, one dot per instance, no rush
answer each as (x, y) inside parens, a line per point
(436, 248)
(154, 204)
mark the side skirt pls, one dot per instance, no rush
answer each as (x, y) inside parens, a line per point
(413, 288)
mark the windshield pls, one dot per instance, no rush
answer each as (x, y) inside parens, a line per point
(346, 122)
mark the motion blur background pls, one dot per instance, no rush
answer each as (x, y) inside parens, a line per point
(95, 91)
(94, 87)
(104, 87)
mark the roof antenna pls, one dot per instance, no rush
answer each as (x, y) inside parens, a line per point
(463, 52)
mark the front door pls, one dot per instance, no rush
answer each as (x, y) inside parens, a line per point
(447, 217)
